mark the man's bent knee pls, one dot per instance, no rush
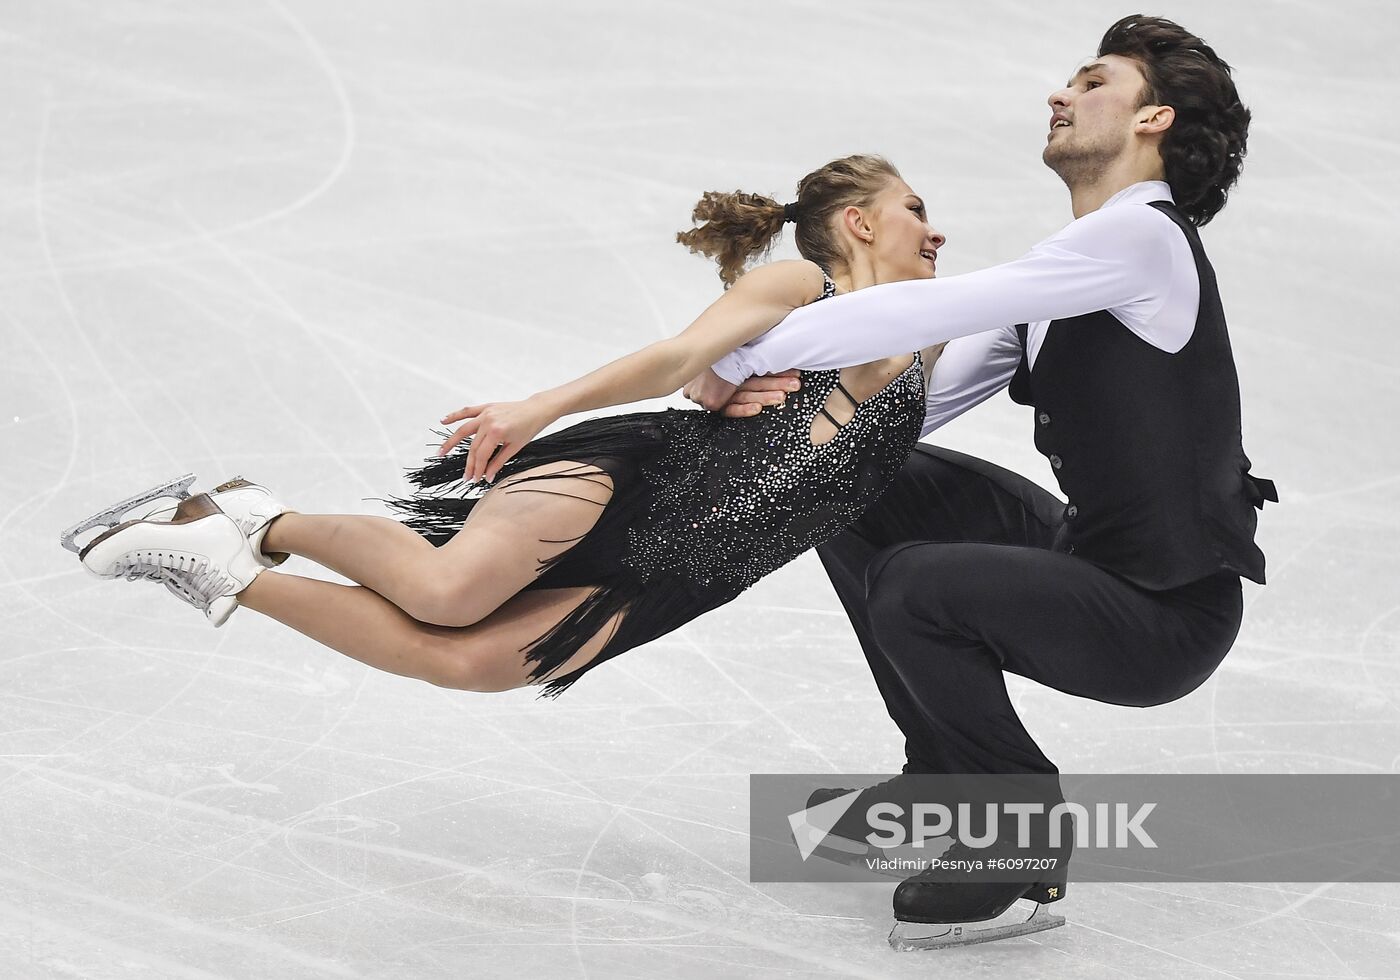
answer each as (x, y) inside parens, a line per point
(902, 593)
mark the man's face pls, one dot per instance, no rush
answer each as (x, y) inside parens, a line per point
(1092, 117)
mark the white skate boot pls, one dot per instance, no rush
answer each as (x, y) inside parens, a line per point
(252, 508)
(201, 553)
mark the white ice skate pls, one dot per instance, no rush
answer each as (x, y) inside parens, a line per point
(201, 553)
(252, 508)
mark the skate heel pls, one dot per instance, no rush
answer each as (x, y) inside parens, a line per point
(275, 557)
(272, 558)
(1046, 892)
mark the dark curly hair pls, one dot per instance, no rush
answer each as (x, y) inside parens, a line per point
(1204, 149)
(738, 227)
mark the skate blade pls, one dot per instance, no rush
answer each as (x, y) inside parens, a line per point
(179, 489)
(907, 936)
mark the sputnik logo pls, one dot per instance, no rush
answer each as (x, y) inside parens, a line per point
(811, 826)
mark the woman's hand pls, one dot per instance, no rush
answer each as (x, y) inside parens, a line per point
(498, 431)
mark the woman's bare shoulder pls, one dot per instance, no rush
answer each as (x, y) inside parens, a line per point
(791, 282)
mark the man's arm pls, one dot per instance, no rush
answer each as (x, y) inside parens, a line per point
(1117, 257)
(968, 372)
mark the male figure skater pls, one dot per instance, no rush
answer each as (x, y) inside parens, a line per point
(1129, 593)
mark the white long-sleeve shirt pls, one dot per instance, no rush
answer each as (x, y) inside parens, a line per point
(1126, 258)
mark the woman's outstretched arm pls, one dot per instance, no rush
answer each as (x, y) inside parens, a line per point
(755, 303)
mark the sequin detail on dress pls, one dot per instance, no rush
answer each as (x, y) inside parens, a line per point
(703, 506)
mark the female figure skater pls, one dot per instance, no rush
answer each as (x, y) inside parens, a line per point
(605, 535)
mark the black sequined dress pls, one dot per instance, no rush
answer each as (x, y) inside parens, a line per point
(703, 506)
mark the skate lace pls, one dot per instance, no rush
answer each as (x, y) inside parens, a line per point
(178, 587)
(154, 564)
(191, 577)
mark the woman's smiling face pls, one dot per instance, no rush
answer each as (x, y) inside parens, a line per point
(903, 244)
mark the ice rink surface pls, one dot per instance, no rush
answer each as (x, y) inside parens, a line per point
(282, 239)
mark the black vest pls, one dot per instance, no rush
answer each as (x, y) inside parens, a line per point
(1146, 445)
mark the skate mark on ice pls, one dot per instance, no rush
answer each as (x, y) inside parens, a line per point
(149, 914)
(1158, 949)
(347, 119)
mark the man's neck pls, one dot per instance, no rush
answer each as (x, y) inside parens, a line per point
(1090, 195)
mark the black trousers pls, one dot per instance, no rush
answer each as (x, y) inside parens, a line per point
(954, 577)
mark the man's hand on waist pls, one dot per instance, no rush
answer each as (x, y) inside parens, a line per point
(712, 392)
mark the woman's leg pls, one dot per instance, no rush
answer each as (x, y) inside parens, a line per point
(367, 627)
(512, 530)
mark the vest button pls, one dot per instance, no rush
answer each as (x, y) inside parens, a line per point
(1056, 461)
(1071, 511)
(1044, 418)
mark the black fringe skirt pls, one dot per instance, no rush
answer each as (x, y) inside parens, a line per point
(620, 446)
